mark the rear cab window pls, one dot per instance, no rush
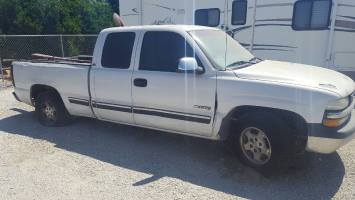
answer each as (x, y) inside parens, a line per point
(117, 50)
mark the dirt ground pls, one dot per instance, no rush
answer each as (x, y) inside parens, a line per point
(97, 160)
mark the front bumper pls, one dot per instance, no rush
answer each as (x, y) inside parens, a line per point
(322, 139)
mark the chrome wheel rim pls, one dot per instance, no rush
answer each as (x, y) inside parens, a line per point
(49, 111)
(255, 145)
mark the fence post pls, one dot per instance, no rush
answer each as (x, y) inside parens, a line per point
(62, 46)
(2, 73)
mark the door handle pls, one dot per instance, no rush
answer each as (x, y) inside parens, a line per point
(140, 82)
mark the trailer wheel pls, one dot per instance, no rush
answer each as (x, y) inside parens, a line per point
(50, 109)
(262, 141)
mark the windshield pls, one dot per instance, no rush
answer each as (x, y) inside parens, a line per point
(222, 49)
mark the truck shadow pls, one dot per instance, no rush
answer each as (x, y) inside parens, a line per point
(197, 161)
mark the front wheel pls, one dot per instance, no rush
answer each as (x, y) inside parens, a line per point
(262, 141)
(255, 146)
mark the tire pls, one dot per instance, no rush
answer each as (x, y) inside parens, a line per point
(50, 109)
(262, 141)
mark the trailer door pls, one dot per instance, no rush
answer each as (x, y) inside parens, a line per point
(240, 19)
(341, 53)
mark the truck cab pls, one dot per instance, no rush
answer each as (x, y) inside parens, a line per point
(144, 68)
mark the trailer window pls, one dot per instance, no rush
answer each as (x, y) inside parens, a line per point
(117, 51)
(311, 14)
(239, 12)
(162, 51)
(208, 17)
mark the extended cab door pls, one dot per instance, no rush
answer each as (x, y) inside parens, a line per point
(166, 99)
(111, 77)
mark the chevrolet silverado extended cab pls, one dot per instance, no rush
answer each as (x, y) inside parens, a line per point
(196, 81)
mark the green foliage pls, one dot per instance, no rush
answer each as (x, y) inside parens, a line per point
(54, 16)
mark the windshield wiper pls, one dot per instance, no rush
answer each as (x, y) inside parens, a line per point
(256, 59)
(239, 63)
(242, 63)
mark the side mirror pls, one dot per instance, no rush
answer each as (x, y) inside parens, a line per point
(189, 65)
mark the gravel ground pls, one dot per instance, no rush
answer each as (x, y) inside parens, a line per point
(97, 160)
(4, 83)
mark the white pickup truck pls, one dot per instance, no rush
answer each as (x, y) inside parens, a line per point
(196, 81)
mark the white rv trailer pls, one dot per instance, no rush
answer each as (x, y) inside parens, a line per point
(315, 32)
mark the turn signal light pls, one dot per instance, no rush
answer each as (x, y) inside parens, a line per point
(333, 123)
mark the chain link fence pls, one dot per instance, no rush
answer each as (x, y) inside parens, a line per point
(19, 47)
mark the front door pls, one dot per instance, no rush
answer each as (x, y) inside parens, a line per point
(166, 99)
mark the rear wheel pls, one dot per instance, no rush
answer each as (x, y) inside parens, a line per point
(50, 109)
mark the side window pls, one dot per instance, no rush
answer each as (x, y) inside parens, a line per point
(162, 51)
(239, 12)
(311, 14)
(208, 17)
(117, 51)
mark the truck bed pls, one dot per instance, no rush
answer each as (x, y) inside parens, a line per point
(68, 78)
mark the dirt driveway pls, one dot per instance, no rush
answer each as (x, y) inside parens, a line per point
(98, 160)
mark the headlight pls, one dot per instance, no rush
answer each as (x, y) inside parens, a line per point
(340, 104)
(338, 112)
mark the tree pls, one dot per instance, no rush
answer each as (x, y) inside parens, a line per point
(55, 16)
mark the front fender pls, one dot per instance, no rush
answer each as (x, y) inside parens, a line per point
(309, 103)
